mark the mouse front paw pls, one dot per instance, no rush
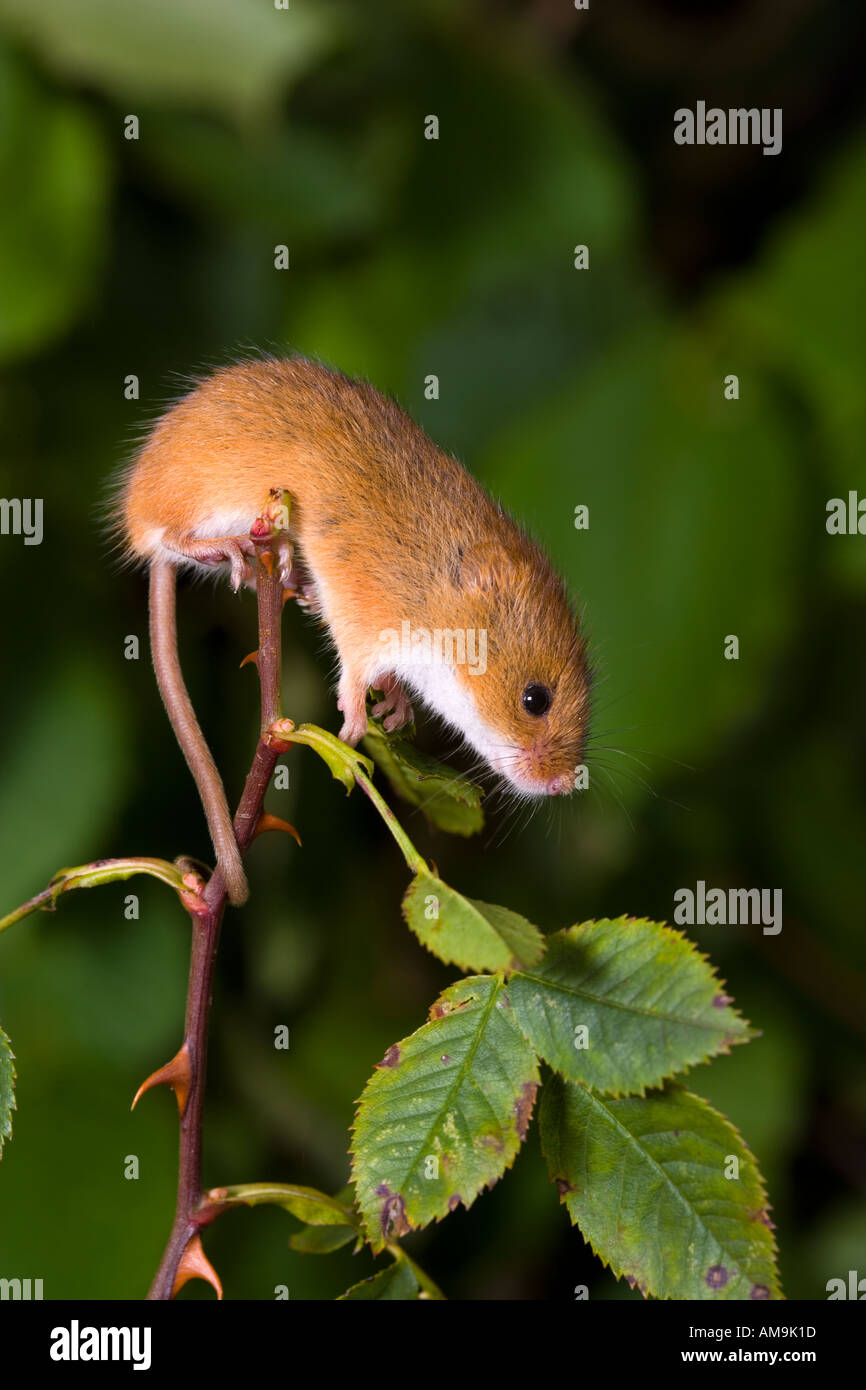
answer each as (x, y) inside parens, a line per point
(395, 709)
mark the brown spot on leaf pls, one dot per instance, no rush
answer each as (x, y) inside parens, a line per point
(523, 1107)
(563, 1187)
(493, 1141)
(763, 1216)
(391, 1058)
(445, 1059)
(717, 1277)
(393, 1214)
(442, 1007)
(454, 1201)
(676, 1134)
(759, 1291)
(721, 1001)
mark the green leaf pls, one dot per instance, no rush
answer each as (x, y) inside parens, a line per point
(322, 1240)
(344, 762)
(449, 800)
(291, 171)
(645, 1180)
(348, 766)
(500, 257)
(313, 1207)
(7, 1088)
(99, 872)
(428, 1288)
(462, 931)
(396, 1281)
(650, 1003)
(796, 311)
(444, 1113)
(52, 154)
(645, 410)
(85, 768)
(232, 57)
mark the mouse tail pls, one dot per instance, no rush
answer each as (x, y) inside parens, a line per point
(175, 697)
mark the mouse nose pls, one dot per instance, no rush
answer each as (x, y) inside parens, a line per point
(560, 786)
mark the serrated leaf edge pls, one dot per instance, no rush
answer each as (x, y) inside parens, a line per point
(723, 1050)
(6, 1134)
(776, 1290)
(429, 1022)
(470, 966)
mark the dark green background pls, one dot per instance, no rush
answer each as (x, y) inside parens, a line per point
(558, 387)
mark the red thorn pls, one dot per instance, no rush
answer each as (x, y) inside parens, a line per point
(267, 560)
(250, 657)
(176, 1074)
(194, 1264)
(268, 822)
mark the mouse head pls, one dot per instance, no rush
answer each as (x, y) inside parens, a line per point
(530, 693)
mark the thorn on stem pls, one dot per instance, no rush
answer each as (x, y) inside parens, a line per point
(268, 822)
(177, 1074)
(250, 657)
(194, 1264)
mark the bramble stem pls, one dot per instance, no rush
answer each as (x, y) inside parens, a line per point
(190, 1214)
(270, 599)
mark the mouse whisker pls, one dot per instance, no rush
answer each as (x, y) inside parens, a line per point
(615, 792)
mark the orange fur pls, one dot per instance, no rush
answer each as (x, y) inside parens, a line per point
(389, 529)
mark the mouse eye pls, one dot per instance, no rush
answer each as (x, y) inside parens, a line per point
(536, 699)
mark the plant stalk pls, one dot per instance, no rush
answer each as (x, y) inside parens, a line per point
(190, 1214)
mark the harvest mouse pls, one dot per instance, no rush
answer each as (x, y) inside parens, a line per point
(428, 589)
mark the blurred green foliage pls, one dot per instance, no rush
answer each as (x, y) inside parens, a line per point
(154, 257)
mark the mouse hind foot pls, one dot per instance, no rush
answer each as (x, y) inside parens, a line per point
(210, 551)
(236, 551)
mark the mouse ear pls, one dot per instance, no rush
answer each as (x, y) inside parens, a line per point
(483, 566)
